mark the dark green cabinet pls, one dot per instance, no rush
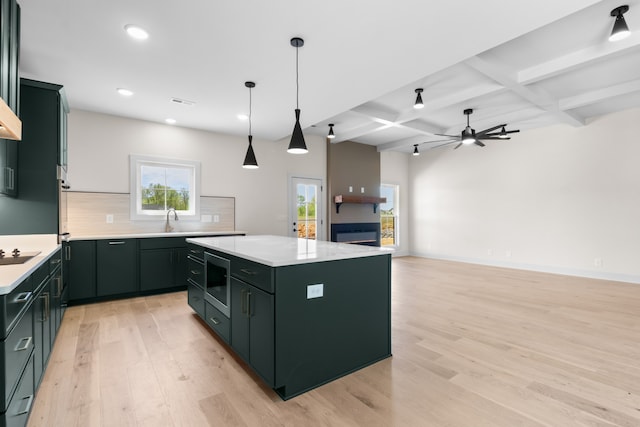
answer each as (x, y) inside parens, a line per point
(116, 267)
(35, 207)
(41, 330)
(252, 327)
(163, 263)
(81, 258)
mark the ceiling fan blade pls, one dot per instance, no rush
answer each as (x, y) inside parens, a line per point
(457, 146)
(483, 132)
(479, 143)
(500, 133)
(450, 136)
(492, 138)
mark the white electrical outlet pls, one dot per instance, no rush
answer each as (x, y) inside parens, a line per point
(350, 189)
(205, 218)
(597, 262)
(216, 218)
(109, 218)
(362, 189)
(315, 291)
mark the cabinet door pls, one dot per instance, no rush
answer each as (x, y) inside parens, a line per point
(180, 266)
(41, 330)
(116, 267)
(261, 333)
(56, 302)
(239, 318)
(252, 327)
(156, 269)
(82, 269)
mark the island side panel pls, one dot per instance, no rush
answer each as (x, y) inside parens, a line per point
(349, 327)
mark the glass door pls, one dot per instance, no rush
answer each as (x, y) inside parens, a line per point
(306, 208)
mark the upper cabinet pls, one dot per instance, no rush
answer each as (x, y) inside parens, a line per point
(10, 124)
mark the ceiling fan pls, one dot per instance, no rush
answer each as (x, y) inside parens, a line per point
(470, 136)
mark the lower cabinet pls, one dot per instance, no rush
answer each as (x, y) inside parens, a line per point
(252, 327)
(195, 295)
(20, 406)
(116, 267)
(80, 257)
(41, 330)
(163, 268)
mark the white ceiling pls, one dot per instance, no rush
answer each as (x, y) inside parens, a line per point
(525, 63)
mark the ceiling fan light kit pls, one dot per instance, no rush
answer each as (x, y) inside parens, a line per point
(620, 29)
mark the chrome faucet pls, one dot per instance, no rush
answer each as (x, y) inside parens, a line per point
(167, 226)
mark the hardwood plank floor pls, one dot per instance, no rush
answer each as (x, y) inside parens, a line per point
(473, 346)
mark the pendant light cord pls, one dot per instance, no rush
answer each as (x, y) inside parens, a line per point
(249, 111)
(297, 83)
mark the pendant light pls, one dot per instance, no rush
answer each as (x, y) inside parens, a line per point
(620, 29)
(418, 104)
(331, 134)
(297, 144)
(415, 150)
(250, 161)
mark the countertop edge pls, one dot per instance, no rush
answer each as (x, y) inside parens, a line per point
(156, 235)
(20, 272)
(290, 262)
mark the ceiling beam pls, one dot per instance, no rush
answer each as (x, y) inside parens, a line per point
(598, 95)
(536, 97)
(577, 59)
(406, 142)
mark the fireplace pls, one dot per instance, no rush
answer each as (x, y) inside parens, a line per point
(360, 233)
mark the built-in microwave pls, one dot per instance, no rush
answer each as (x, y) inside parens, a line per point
(217, 276)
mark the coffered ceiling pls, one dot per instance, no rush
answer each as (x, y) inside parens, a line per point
(528, 64)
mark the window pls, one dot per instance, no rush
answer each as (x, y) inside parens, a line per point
(389, 215)
(159, 184)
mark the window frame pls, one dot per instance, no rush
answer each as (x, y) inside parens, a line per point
(396, 215)
(137, 162)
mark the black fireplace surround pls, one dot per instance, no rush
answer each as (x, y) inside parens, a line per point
(361, 233)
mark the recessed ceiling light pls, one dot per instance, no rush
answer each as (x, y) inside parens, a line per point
(242, 117)
(170, 121)
(124, 92)
(136, 32)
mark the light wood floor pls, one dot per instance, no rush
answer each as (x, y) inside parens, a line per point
(473, 346)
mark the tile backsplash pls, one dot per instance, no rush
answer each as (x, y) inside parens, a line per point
(87, 215)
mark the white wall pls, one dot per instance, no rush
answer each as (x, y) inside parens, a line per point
(559, 199)
(100, 145)
(394, 169)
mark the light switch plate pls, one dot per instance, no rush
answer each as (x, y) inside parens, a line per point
(315, 291)
(109, 219)
(216, 218)
(205, 218)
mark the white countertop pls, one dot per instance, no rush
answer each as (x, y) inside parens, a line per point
(150, 235)
(12, 275)
(277, 251)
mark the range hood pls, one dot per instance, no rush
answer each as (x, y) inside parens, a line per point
(10, 124)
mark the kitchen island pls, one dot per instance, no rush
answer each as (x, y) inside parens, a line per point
(300, 312)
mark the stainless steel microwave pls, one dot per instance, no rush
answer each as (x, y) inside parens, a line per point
(218, 282)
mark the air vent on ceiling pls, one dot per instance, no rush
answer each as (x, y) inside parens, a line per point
(182, 101)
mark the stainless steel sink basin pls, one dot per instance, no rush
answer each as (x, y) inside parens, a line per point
(20, 259)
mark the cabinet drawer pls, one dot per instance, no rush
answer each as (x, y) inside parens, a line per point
(16, 350)
(20, 406)
(55, 261)
(162, 243)
(39, 276)
(217, 321)
(196, 251)
(195, 296)
(15, 302)
(195, 272)
(258, 275)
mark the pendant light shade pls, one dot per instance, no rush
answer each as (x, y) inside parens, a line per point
(331, 134)
(250, 161)
(418, 104)
(620, 29)
(297, 144)
(415, 150)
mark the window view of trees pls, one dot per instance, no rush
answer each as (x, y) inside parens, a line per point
(161, 197)
(164, 187)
